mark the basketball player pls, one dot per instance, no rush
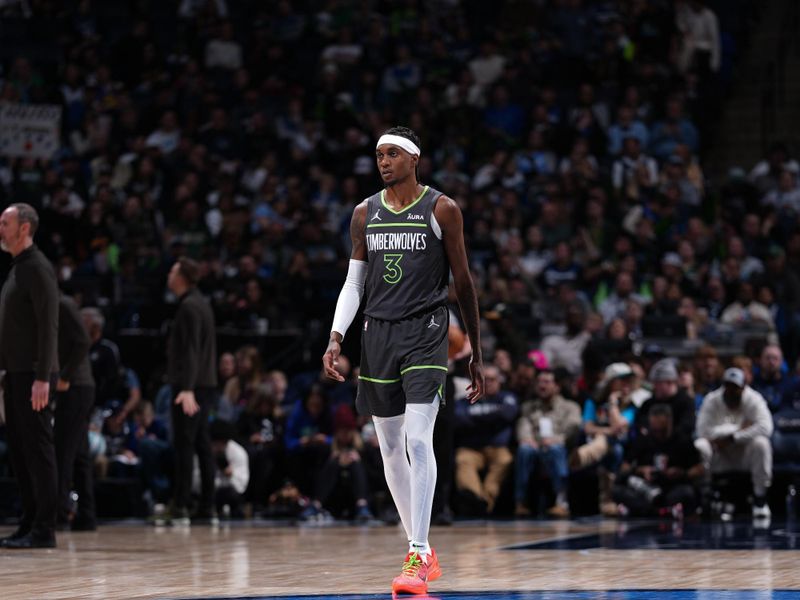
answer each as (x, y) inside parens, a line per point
(406, 239)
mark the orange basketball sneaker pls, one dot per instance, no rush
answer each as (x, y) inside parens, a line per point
(416, 574)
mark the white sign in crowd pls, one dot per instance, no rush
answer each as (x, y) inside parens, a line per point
(29, 130)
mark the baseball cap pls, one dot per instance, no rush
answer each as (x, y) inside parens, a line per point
(734, 376)
(617, 370)
(664, 370)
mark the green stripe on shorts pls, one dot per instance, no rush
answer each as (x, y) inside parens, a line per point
(373, 380)
(417, 367)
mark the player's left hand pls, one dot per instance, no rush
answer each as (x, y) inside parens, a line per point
(475, 388)
(40, 394)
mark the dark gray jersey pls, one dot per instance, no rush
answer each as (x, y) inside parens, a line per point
(407, 270)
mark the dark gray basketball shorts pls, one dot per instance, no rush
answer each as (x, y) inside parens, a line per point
(402, 362)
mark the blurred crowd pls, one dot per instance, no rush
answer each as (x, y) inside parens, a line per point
(571, 133)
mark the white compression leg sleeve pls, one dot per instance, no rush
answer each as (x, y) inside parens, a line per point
(420, 419)
(391, 433)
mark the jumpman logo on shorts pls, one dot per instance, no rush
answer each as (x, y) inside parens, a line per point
(376, 216)
(432, 323)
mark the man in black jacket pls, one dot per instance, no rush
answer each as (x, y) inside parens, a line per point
(661, 472)
(28, 345)
(74, 402)
(192, 374)
(664, 377)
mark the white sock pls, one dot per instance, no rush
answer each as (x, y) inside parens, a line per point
(561, 499)
(423, 549)
(420, 419)
(392, 439)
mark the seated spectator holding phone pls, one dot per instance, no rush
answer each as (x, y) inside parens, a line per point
(547, 422)
(660, 470)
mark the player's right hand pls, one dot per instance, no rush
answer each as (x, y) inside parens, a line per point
(330, 359)
(40, 394)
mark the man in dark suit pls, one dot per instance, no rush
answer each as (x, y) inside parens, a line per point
(28, 346)
(192, 374)
(74, 402)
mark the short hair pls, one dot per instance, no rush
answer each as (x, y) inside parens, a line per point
(189, 270)
(27, 214)
(660, 409)
(95, 317)
(405, 132)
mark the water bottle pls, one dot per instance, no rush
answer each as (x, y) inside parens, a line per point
(791, 503)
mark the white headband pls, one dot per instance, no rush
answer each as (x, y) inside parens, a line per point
(400, 142)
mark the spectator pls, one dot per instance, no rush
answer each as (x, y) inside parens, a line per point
(660, 471)
(606, 423)
(341, 485)
(767, 172)
(626, 127)
(673, 130)
(148, 443)
(308, 438)
(733, 434)
(745, 363)
(545, 426)
(226, 370)
(664, 378)
(233, 470)
(104, 357)
(786, 420)
(483, 433)
(224, 52)
(708, 371)
(634, 174)
(565, 350)
(613, 306)
(746, 311)
(785, 198)
(772, 379)
(674, 174)
(686, 384)
(260, 431)
(701, 49)
(240, 388)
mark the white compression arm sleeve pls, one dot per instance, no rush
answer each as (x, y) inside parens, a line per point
(350, 297)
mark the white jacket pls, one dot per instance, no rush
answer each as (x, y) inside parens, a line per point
(240, 467)
(752, 417)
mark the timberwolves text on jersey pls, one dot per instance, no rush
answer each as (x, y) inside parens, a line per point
(407, 270)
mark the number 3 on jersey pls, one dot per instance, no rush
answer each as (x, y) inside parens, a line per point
(393, 271)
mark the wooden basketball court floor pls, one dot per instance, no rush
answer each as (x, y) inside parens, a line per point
(519, 560)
